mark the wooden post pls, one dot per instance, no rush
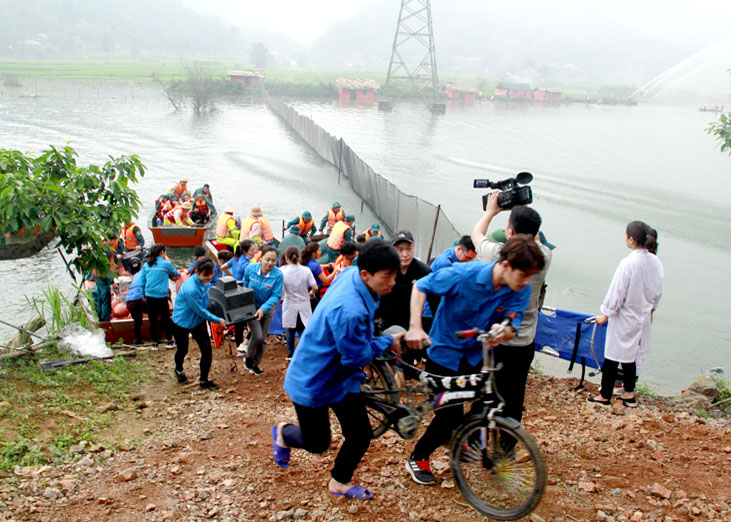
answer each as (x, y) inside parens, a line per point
(433, 233)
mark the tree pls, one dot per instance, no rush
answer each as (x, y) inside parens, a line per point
(722, 130)
(82, 206)
(259, 55)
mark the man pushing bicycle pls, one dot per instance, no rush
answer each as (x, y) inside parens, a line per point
(473, 294)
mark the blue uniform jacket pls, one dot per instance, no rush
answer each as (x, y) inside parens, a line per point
(135, 290)
(238, 267)
(337, 342)
(190, 304)
(154, 279)
(267, 289)
(468, 301)
(445, 259)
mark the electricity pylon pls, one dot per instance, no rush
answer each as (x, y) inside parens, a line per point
(414, 38)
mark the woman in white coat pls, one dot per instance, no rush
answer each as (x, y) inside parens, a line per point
(296, 309)
(629, 304)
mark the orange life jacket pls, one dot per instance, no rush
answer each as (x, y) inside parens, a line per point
(222, 229)
(201, 205)
(170, 214)
(178, 189)
(369, 234)
(333, 218)
(128, 236)
(305, 226)
(337, 236)
(266, 229)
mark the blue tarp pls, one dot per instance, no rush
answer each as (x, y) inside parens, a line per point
(557, 331)
(275, 327)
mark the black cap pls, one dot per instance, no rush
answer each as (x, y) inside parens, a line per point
(402, 235)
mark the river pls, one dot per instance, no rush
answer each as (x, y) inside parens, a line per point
(596, 168)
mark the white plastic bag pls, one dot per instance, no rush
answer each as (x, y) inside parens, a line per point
(80, 341)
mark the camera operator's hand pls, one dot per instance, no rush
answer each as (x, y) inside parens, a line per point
(493, 208)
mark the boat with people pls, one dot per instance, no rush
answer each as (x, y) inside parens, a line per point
(182, 236)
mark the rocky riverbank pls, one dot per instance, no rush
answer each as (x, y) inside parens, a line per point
(178, 453)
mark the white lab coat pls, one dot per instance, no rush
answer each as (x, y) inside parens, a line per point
(296, 299)
(633, 295)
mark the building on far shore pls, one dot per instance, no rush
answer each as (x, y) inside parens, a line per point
(523, 91)
(245, 78)
(547, 94)
(455, 92)
(358, 90)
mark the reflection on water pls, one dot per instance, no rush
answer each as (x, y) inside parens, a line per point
(596, 169)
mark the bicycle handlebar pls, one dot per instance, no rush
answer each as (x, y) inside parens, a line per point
(477, 333)
(467, 334)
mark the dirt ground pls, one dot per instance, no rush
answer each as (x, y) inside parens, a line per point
(184, 454)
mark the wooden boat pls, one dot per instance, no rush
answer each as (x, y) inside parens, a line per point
(175, 236)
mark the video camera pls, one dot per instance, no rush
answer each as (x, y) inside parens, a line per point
(511, 192)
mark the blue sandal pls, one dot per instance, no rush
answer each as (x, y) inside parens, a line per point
(355, 493)
(281, 455)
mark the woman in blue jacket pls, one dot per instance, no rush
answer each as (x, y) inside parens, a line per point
(154, 281)
(189, 317)
(267, 281)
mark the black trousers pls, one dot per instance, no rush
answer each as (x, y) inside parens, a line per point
(313, 433)
(511, 380)
(298, 329)
(136, 309)
(609, 375)
(158, 312)
(200, 334)
(445, 419)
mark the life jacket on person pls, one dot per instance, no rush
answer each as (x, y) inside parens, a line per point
(305, 226)
(334, 217)
(223, 231)
(337, 236)
(160, 208)
(129, 238)
(369, 234)
(179, 189)
(201, 205)
(264, 226)
(170, 214)
(167, 207)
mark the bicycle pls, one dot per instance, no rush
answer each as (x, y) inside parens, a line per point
(496, 464)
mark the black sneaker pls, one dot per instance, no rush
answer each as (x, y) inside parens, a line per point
(180, 376)
(420, 471)
(256, 370)
(248, 364)
(208, 385)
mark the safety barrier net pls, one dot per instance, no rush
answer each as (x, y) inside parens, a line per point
(395, 209)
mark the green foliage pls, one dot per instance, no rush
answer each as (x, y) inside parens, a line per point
(82, 205)
(57, 310)
(724, 387)
(703, 414)
(20, 452)
(721, 129)
(644, 389)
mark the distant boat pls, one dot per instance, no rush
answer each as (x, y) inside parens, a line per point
(711, 108)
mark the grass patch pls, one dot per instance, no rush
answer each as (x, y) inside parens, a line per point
(43, 414)
(645, 390)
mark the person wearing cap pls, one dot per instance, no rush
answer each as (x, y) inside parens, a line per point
(462, 252)
(179, 216)
(374, 231)
(180, 188)
(227, 233)
(305, 223)
(335, 214)
(394, 307)
(341, 233)
(516, 355)
(291, 238)
(132, 238)
(160, 203)
(256, 227)
(207, 196)
(201, 211)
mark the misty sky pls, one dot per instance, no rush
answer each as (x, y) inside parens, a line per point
(694, 23)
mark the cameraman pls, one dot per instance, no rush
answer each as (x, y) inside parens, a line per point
(516, 354)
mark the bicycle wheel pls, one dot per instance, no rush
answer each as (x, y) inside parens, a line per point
(500, 471)
(377, 387)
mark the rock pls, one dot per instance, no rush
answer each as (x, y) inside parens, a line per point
(170, 515)
(76, 449)
(67, 485)
(601, 516)
(658, 490)
(110, 406)
(212, 512)
(51, 494)
(534, 517)
(299, 513)
(705, 385)
(352, 509)
(86, 461)
(125, 446)
(95, 448)
(127, 475)
(636, 516)
(150, 507)
(206, 436)
(589, 487)
(680, 494)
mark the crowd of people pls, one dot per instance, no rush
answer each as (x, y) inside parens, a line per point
(336, 288)
(178, 207)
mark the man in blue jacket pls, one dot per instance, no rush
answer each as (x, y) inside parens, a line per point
(325, 371)
(473, 295)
